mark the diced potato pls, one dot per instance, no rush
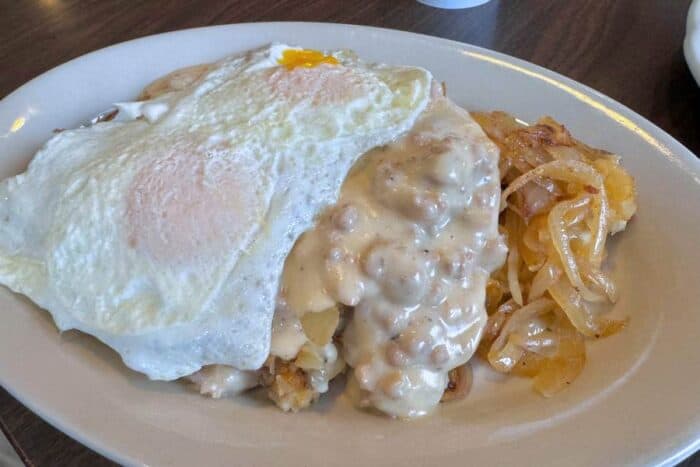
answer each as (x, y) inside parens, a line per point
(532, 249)
(308, 358)
(289, 388)
(320, 326)
(621, 192)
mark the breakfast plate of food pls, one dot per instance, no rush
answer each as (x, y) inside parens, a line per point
(283, 244)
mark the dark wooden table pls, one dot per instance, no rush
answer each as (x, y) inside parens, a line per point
(630, 50)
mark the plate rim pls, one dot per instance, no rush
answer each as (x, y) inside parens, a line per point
(677, 447)
(522, 65)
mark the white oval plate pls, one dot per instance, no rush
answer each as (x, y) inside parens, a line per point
(637, 401)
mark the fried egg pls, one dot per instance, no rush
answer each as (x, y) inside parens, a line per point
(164, 233)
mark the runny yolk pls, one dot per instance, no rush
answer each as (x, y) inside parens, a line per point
(293, 58)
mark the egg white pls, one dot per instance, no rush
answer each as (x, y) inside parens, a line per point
(165, 236)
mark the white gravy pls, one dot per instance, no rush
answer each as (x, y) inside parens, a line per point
(410, 245)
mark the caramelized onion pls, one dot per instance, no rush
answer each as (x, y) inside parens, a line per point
(543, 280)
(563, 198)
(566, 170)
(513, 283)
(504, 354)
(575, 307)
(561, 240)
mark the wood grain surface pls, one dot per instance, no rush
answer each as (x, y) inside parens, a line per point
(630, 50)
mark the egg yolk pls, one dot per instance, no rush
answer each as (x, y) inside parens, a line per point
(293, 58)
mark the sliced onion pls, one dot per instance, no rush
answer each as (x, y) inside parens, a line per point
(550, 185)
(521, 165)
(561, 240)
(513, 283)
(504, 166)
(532, 249)
(600, 229)
(536, 158)
(515, 209)
(514, 225)
(560, 136)
(544, 278)
(502, 356)
(494, 295)
(545, 343)
(530, 365)
(536, 199)
(605, 283)
(608, 327)
(564, 153)
(578, 213)
(508, 307)
(567, 198)
(568, 171)
(574, 306)
(505, 359)
(493, 326)
(557, 372)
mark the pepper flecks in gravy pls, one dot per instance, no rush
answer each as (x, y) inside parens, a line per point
(409, 247)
